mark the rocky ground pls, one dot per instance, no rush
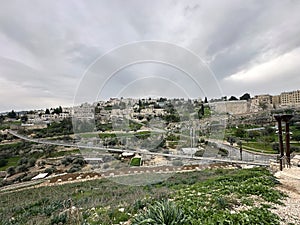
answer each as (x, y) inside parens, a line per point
(290, 180)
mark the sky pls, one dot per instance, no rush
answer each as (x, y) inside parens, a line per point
(51, 51)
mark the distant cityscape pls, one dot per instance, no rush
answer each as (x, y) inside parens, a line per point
(233, 105)
(258, 103)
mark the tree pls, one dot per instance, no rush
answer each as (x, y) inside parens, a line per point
(3, 162)
(205, 100)
(232, 98)
(201, 111)
(11, 170)
(24, 119)
(231, 140)
(23, 161)
(1, 119)
(268, 130)
(224, 98)
(296, 137)
(240, 132)
(245, 96)
(47, 111)
(12, 115)
(57, 110)
(253, 134)
(275, 146)
(22, 168)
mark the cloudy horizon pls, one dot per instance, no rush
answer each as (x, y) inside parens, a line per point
(47, 46)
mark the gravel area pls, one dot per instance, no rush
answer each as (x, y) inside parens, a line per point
(290, 180)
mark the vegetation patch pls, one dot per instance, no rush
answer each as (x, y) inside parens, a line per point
(216, 196)
(10, 162)
(136, 161)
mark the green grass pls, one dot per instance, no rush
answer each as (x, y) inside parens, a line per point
(212, 201)
(4, 126)
(13, 161)
(259, 147)
(64, 153)
(138, 134)
(205, 197)
(88, 135)
(10, 145)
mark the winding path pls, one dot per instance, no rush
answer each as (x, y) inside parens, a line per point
(233, 157)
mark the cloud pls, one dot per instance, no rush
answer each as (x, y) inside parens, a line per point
(47, 46)
(280, 72)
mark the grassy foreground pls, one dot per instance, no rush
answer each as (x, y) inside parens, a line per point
(216, 196)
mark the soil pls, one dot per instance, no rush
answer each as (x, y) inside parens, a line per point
(289, 212)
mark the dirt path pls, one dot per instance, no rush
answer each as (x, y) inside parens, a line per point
(290, 180)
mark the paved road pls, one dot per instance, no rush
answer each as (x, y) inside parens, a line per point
(234, 153)
(248, 158)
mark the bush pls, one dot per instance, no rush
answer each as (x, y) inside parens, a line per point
(275, 146)
(223, 152)
(161, 213)
(74, 168)
(21, 168)
(105, 166)
(135, 162)
(177, 163)
(31, 162)
(23, 161)
(59, 219)
(50, 170)
(79, 161)
(66, 161)
(11, 170)
(3, 162)
(199, 153)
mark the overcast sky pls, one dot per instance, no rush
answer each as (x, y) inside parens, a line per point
(47, 46)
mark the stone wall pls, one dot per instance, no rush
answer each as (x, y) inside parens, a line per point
(231, 107)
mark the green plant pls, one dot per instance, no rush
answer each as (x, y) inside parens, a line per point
(135, 162)
(61, 218)
(165, 213)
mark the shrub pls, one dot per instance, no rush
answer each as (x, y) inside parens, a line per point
(59, 219)
(199, 153)
(50, 170)
(23, 161)
(74, 168)
(31, 162)
(164, 212)
(79, 161)
(105, 166)
(21, 168)
(3, 162)
(66, 161)
(177, 163)
(135, 162)
(11, 170)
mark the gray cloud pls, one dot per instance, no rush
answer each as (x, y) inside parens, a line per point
(47, 46)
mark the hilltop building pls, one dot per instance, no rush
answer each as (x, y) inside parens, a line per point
(290, 98)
